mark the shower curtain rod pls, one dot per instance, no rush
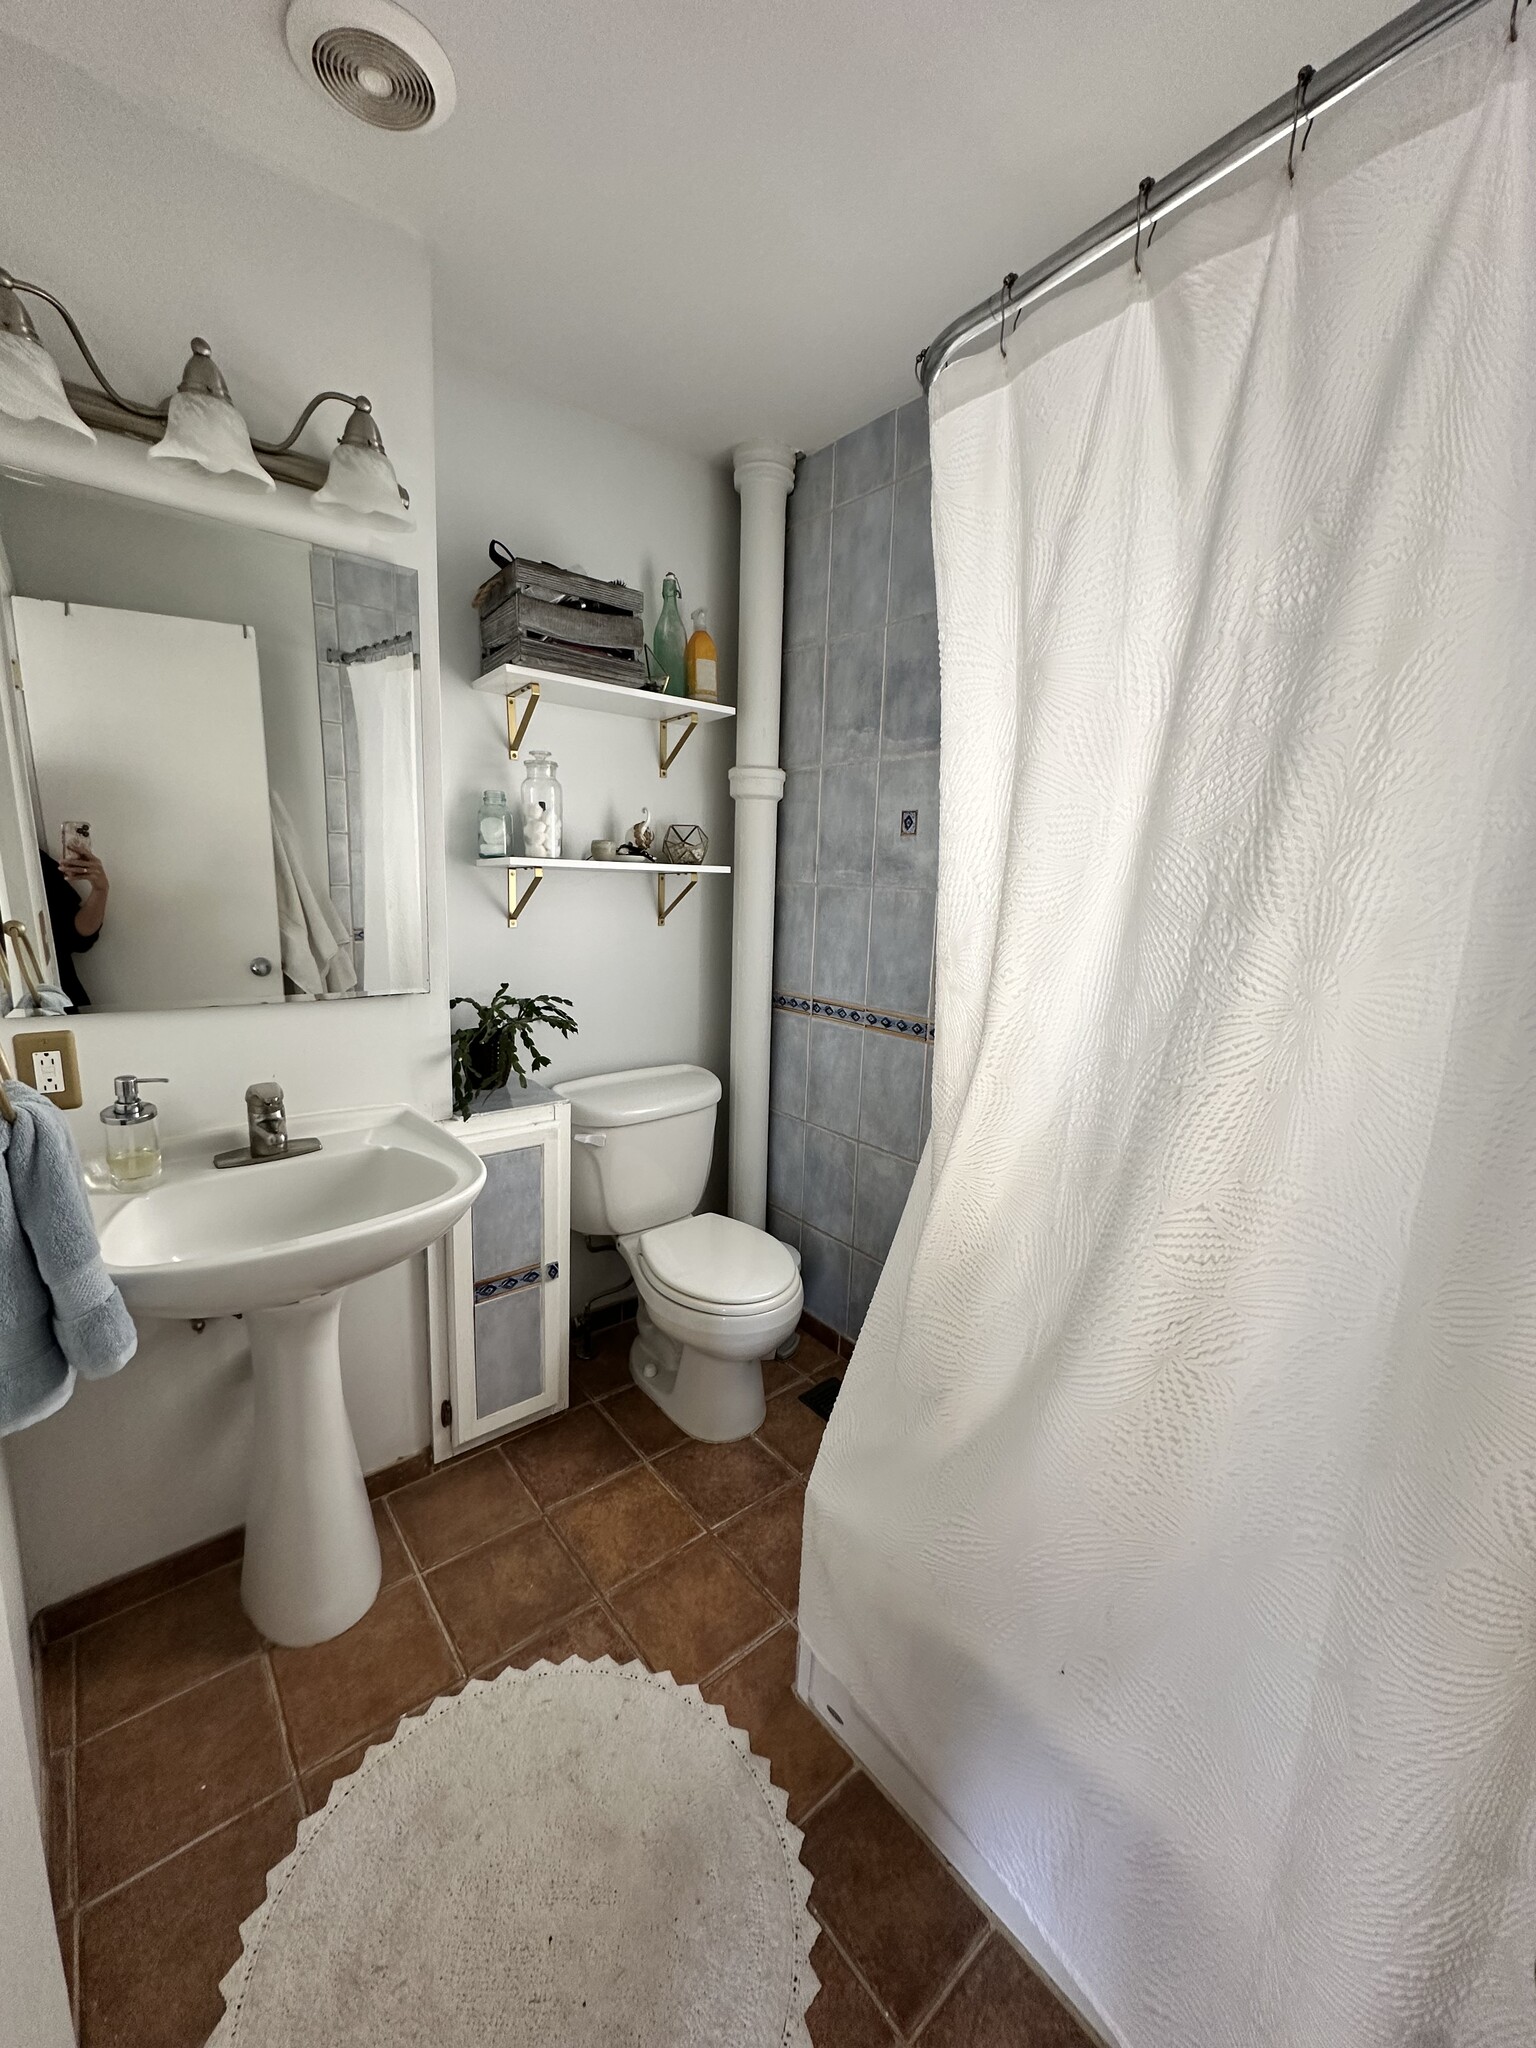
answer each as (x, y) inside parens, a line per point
(1274, 125)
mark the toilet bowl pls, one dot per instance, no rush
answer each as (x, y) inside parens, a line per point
(717, 1296)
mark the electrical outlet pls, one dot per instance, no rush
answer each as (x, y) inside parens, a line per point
(46, 1059)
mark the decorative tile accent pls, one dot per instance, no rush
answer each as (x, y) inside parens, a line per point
(509, 1283)
(854, 1013)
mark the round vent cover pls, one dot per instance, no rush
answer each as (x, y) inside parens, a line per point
(374, 61)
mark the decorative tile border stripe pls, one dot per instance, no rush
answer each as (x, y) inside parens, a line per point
(510, 1283)
(852, 1013)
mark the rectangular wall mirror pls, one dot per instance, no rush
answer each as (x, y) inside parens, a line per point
(212, 793)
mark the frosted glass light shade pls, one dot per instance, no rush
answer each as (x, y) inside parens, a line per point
(31, 387)
(206, 431)
(363, 479)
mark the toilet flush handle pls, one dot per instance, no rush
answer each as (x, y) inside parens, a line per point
(589, 1137)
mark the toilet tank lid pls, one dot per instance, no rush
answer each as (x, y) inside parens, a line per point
(638, 1096)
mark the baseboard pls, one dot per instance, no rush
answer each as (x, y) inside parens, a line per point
(116, 1596)
(824, 1333)
(829, 1700)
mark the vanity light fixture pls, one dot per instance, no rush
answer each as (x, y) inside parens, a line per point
(199, 424)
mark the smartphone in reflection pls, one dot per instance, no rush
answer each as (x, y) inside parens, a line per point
(74, 839)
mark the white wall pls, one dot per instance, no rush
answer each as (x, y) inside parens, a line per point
(152, 236)
(560, 486)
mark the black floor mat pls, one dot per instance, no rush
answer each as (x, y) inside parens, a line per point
(821, 1398)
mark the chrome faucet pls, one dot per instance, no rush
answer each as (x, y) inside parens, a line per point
(267, 1124)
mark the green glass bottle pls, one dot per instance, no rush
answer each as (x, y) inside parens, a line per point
(669, 644)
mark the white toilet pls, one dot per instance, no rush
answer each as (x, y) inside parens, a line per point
(717, 1297)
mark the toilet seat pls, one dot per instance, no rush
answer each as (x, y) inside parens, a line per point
(718, 1266)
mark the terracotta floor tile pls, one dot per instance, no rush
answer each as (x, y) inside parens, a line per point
(394, 1564)
(793, 1430)
(316, 1782)
(718, 1480)
(767, 1540)
(591, 1634)
(887, 1898)
(842, 2014)
(627, 1524)
(151, 1956)
(778, 1374)
(60, 1843)
(58, 1666)
(150, 1785)
(465, 1503)
(568, 1455)
(694, 1611)
(815, 1361)
(1001, 2003)
(757, 1695)
(496, 1595)
(392, 1660)
(137, 1659)
(607, 1369)
(643, 1422)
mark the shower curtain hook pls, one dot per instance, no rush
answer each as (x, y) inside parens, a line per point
(1143, 194)
(1304, 78)
(1002, 319)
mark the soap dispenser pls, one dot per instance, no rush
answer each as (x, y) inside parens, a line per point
(133, 1134)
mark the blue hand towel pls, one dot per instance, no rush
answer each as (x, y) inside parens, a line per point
(59, 1311)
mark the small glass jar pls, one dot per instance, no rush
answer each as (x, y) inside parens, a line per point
(542, 806)
(132, 1136)
(495, 831)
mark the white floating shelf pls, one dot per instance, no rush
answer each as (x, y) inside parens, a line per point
(516, 862)
(526, 688)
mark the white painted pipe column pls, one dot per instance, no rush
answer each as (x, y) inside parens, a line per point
(765, 476)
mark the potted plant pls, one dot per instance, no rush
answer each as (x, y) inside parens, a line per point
(487, 1053)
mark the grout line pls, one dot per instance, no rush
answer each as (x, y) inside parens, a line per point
(181, 1693)
(98, 1898)
(825, 1798)
(926, 2015)
(416, 1572)
(859, 1977)
(284, 1735)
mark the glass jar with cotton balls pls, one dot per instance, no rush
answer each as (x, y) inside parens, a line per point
(541, 804)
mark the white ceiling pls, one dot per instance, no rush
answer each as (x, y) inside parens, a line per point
(711, 222)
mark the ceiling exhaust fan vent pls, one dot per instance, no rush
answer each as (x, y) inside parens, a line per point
(375, 61)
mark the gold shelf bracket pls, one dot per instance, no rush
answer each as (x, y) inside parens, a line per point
(689, 729)
(517, 731)
(516, 904)
(664, 909)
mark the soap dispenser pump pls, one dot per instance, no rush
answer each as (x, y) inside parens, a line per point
(133, 1133)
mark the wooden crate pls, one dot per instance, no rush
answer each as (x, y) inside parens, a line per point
(545, 617)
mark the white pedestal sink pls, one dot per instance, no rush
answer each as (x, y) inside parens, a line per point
(278, 1243)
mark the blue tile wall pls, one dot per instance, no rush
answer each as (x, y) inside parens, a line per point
(859, 741)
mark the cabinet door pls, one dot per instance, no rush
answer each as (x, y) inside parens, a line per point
(507, 1291)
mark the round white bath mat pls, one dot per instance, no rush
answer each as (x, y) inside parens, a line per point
(576, 1856)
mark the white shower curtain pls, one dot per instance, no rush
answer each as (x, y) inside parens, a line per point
(1176, 1526)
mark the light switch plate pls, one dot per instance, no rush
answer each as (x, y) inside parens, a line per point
(46, 1061)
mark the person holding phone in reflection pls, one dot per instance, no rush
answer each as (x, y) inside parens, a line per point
(76, 919)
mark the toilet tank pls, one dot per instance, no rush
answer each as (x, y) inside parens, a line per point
(641, 1143)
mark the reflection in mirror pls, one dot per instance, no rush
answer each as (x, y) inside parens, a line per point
(212, 786)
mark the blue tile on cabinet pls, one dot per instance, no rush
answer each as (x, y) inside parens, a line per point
(794, 927)
(824, 1270)
(787, 1062)
(851, 727)
(846, 844)
(901, 951)
(805, 579)
(864, 459)
(911, 712)
(861, 563)
(840, 966)
(891, 1094)
(879, 1198)
(786, 1162)
(833, 1066)
(827, 1203)
(912, 585)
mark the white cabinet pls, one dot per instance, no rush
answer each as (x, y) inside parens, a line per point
(500, 1287)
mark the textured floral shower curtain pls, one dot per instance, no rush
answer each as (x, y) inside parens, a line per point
(1177, 1524)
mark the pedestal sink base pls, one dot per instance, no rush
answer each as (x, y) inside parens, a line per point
(311, 1551)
